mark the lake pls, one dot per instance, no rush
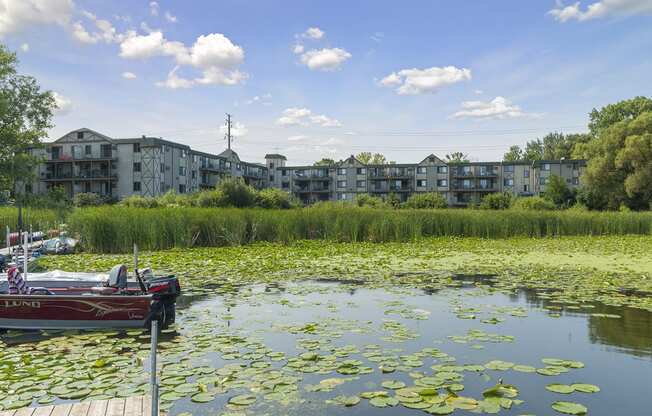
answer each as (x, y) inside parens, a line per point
(338, 348)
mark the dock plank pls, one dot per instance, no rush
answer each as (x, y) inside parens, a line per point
(43, 411)
(131, 406)
(8, 412)
(116, 407)
(147, 406)
(134, 406)
(61, 410)
(98, 408)
(80, 409)
(27, 411)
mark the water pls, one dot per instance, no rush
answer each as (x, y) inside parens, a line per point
(616, 351)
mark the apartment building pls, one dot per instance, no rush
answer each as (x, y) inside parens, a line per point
(460, 183)
(87, 161)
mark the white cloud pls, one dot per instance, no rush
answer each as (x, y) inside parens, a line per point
(420, 81)
(600, 9)
(478, 92)
(174, 82)
(262, 99)
(498, 108)
(215, 50)
(298, 49)
(295, 116)
(237, 130)
(144, 46)
(17, 15)
(297, 138)
(377, 37)
(24, 47)
(314, 33)
(64, 105)
(325, 59)
(170, 18)
(129, 75)
(153, 8)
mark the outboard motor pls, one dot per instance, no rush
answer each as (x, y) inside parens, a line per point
(118, 277)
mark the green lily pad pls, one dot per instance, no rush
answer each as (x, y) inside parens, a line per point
(393, 384)
(560, 388)
(202, 398)
(570, 408)
(585, 388)
(242, 400)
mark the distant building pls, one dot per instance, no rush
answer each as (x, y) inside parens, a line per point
(87, 161)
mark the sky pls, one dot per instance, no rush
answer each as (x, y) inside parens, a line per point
(313, 79)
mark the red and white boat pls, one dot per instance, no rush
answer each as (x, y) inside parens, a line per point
(62, 300)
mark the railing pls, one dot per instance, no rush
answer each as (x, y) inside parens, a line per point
(81, 175)
(81, 158)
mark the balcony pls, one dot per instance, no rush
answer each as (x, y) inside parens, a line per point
(63, 158)
(460, 173)
(81, 176)
(392, 174)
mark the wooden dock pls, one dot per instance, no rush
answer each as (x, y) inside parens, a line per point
(131, 406)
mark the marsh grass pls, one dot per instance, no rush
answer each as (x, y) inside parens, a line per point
(40, 219)
(115, 229)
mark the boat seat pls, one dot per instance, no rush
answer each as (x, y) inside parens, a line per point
(118, 277)
(40, 291)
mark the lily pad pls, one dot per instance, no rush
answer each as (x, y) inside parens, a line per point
(570, 408)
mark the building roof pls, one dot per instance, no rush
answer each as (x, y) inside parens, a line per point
(229, 154)
(275, 156)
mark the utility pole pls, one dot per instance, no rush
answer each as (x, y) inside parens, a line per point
(228, 130)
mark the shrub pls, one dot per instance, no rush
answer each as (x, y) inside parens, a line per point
(209, 199)
(393, 200)
(496, 201)
(274, 198)
(366, 200)
(429, 200)
(237, 193)
(533, 203)
(137, 201)
(88, 199)
(558, 192)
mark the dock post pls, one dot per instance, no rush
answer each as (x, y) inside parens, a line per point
(25, 256)
(153, 378)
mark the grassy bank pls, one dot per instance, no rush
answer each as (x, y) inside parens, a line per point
(40, 219)
(115, 229)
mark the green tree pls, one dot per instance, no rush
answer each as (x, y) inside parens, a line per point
(515, 153)
(25, 116)
(558, 192)
(378, 159)
(457, 157)
(324, 162)
(364, 157)
(496, 200)
(599, 120)
(430, 200)
(619, 167)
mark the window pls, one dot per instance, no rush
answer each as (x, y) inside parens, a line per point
(162, 167)
(508, 168)
(421, 169)
(194, 174)
(80, 135)
(28, 188)
(546, 166)
(88, 150)
(543, 180)
(397, 184)
(526, 173)
(182, 189)
(341, 171)
(526, 188)
(467, 170)
(508, 182)
(361, 171)
(227, 164)
(271, 178)
(136, 186)
(285, 185)
(284, 172)
(182, 171)
(237, 166)
(136, 147)
(136, 166)
(341, 196)
(183, 153)
(466, 184)
(442, 182)
(167, 148)
(271, 165)
(576, 181)
(341, 184)
(422, 183)
(361, 184)
(105, 150)
(442, 169)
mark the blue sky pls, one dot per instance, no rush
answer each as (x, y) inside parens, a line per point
(314, 79)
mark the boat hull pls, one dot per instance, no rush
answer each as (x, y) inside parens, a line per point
(74, 312)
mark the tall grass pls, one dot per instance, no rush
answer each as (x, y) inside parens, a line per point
(39, 219)
(115, 229)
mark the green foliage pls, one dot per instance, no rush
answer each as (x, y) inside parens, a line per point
(116, 228)
(619, 168)
(533, 203)
(25, 117)
(88, 199)
(431, 200)
(324, 162)
(393, 201)
(371, 159)
(275, 198)
(40, 219)
(514, 154)
(600, 120)
(236, 193)
(210, 199)
(558, 192)
(366, 200)
(137, 201)
(457, 157)
(496, 201)
(553, 146)
(364, 157)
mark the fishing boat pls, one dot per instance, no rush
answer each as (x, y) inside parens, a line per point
(62, 300)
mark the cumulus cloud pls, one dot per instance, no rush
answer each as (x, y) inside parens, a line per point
(325, 59)
(314, 33)
(153, 8)
(498, 108)
(129, 75)
(600, 9)
(295, 116)
(17, 15)
(173, 81)
(420, 81)
(170, 18)
(298, 49)
(104, 31)
(64, 104)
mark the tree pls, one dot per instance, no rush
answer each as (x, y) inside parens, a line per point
(496, 201)
(457, 157)
(515, 153)
(324, 162)
(599, 120)
(431, 200)
(619, 167)
(364, 157)
(558, 192)
(378, 159)
(25, 116)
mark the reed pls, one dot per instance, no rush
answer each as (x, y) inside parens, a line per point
(39, 219)
(114, 229)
